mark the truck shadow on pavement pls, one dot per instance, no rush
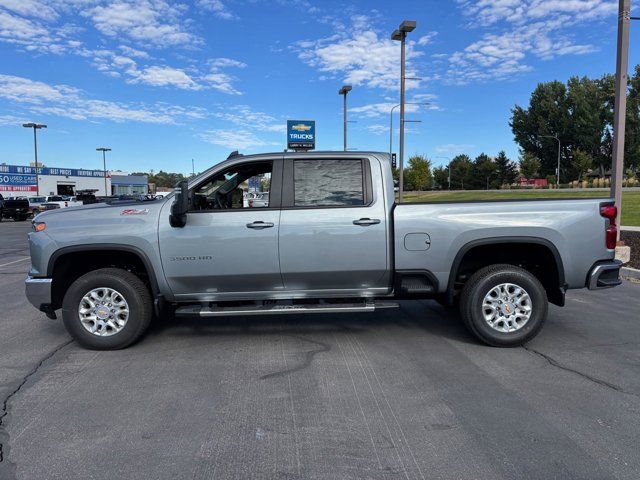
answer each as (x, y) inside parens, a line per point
(425, 317)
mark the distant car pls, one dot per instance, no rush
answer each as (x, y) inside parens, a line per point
(259, 200)
(62, 201)
(35, 203)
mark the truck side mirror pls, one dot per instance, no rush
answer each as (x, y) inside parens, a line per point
(180, 206)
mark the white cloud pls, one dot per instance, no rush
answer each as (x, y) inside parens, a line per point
(490, 12)
(426, 39)
(454, 148)
(378, 129)
(234, 139)
(30, 8)
(248, 119)
(116, 65)
(164, 76)
(522, 30)
(380, 109)
(65, 101)
(217, 7)
(147, 21)
(224, 62)
(359, 56)
(11, 121)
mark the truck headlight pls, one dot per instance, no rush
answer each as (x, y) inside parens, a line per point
(39, 226)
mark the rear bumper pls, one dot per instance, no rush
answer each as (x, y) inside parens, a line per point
(604, 275)
(38, 292)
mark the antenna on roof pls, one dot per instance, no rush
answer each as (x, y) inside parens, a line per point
(235, 153)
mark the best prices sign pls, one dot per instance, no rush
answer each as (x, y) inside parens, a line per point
(301, 134)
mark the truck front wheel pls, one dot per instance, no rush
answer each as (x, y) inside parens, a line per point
(107, 309)
(503, 305)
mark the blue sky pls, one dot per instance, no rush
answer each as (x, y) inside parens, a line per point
(162, 82)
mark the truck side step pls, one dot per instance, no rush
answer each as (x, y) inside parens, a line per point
(212, 310)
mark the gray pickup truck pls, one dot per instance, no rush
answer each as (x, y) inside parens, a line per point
(331, 238)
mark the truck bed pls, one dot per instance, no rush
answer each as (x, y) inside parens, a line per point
(430, 236)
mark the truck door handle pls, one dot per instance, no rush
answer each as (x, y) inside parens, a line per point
(365, 222)
(259, 225)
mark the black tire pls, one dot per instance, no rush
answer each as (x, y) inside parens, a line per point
(19, 219)
(131, 288)
(479, 285)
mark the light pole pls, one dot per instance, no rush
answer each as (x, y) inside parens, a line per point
(448, 169)
(343, 91)
(104, 151)
(401, 36)
(555, 137)
(391, 121)
(35, 126)
(620, 107)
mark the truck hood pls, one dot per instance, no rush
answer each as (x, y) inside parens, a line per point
(100, 222)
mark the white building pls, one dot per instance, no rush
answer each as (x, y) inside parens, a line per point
(18, 180)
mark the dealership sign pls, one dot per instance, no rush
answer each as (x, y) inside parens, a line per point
(301, 134)
(17, 178)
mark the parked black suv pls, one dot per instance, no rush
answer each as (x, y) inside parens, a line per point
(17, 209)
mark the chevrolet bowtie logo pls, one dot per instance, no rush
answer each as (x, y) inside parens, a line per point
(301, 127)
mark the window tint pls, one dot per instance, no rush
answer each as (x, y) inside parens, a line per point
(328, 183)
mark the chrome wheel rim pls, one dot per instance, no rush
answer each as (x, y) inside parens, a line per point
(103, 311)
(507, 307)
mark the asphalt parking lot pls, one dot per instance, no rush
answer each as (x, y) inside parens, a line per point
(398, 394)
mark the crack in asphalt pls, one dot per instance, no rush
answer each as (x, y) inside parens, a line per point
(586, 376)
(308, 358)
(4, 435)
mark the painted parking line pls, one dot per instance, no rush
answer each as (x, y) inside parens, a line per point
(15, 261)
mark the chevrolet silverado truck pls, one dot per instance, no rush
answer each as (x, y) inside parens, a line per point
(331, 239)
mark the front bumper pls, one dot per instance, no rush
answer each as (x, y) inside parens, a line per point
(38, 292)
(604, 274)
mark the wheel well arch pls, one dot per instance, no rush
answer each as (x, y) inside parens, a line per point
(537, 255)
(69, 263)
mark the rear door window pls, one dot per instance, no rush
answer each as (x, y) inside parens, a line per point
(328, 183)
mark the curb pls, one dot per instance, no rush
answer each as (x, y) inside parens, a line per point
(630, 272)
(629, 229)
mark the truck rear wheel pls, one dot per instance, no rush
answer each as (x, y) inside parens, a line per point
(107, 309)
(503, 305)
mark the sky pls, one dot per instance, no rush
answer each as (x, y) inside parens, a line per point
(162, 83)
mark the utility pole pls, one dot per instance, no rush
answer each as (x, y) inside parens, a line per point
(104, 164)
(620, 109)
(401, 35)
(343, 91)
(555, 137)
(36, 127)
(391, 121)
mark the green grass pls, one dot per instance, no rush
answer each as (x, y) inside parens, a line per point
(630, 200)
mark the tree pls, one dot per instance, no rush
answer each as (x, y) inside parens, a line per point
(529, 165)
(483, 172)
(441, 177)
(461, 170)
(580, 114)
(506, 170)
(417, 176)
(582, 162)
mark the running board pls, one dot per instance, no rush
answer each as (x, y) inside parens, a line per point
(275, 309)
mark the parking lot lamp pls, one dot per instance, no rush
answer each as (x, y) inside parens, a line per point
(401, 35)
(104, 151)
(343, 91)
(36, 127)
